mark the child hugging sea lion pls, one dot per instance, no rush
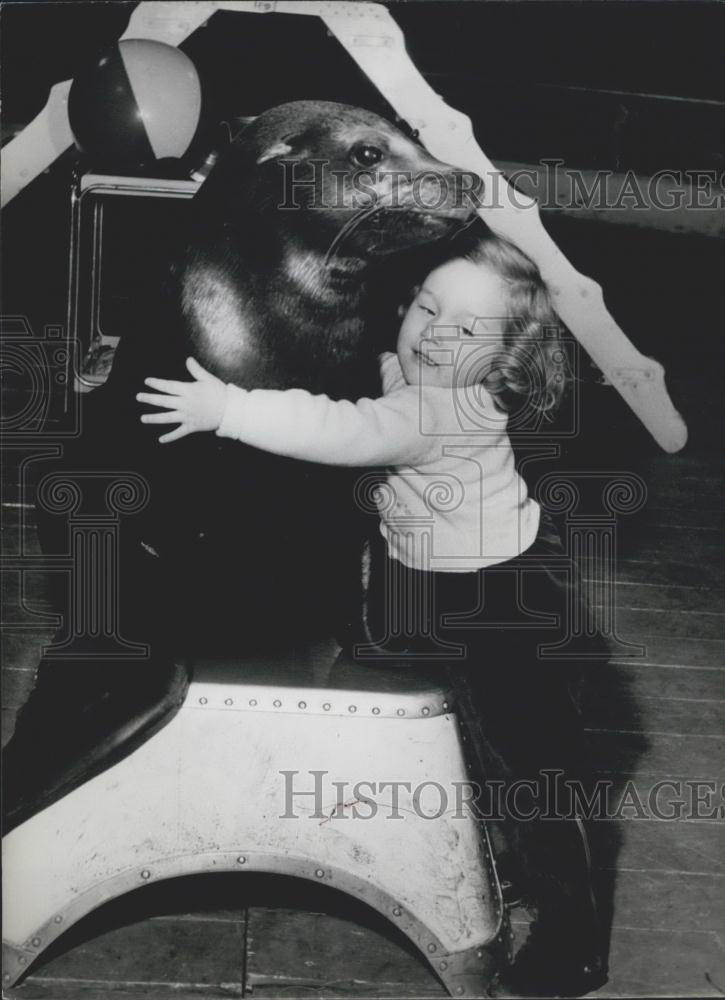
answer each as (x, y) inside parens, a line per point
(271, 289)
(273, 285)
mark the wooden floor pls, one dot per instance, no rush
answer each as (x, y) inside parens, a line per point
(657, 717)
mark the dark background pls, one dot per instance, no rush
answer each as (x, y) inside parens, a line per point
(616, 85)
(610, 85)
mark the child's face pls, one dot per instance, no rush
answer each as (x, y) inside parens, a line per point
(453, 327)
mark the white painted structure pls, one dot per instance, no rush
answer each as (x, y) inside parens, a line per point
(230, 785)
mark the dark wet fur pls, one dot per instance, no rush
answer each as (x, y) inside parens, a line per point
(305, 324)
(236, 550)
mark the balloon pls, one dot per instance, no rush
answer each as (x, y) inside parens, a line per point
(139, 102)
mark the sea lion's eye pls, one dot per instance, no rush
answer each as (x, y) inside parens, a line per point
(366, 156)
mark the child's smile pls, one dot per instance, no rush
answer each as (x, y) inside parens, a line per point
(453, 326)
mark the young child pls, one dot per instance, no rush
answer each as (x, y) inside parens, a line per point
(460, 527)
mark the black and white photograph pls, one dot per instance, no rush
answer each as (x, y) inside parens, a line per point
(363, 630)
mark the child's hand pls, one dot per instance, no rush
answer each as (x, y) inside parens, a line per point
(195, 406)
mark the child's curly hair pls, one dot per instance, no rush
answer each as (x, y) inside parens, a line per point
(532, 367)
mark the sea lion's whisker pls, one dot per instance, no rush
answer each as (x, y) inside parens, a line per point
(467, 225)
(348, 228)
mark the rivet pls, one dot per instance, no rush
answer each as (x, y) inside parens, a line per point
(241, 860)
(401, 711)
(445, 706)
(425, 710)
(22, 960)
(202, 701)
(443, 966)
(58, 920)
(479, 953)
(228, 701)
(459, 990)
(35, 942)
(352, 708)
(277, 703)
(145, 873)
(327, 706)
(376, 711)
(6, 977)
(431, 947)
(396, 911)
(320, 873)
(302, 704)
(253, 702)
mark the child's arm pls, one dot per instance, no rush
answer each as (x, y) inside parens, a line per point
(294, 423)
(194, 406)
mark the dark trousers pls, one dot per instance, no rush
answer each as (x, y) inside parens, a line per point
(490, 630)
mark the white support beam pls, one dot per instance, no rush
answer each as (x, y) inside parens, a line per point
(372, 38)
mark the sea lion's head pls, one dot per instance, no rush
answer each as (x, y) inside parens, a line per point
(341, 180)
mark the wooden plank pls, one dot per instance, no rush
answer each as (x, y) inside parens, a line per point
(681, 492)
(644, 595)
(332, 954)
(679, 512)
(26, 600)
(19, 476)
(656, 544)
(637, 626)
(686, 847)
(665, 573)
(16, 686)
(620, 711)
(682, 962)
(690, 465)
(659, 901)
(20, 649)
(688, 756)
(195, 955)
(642, 680)
(693, 496)
(19, 530)
(681, 519)
(652, 963)
(71, 989)
(677, 650)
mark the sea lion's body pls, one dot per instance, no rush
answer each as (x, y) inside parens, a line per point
(237, 549)
(273, 287)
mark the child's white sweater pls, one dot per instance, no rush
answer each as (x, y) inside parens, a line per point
(452, 500)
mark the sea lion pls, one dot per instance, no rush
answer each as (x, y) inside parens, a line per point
(237, 549)
(272, 287)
